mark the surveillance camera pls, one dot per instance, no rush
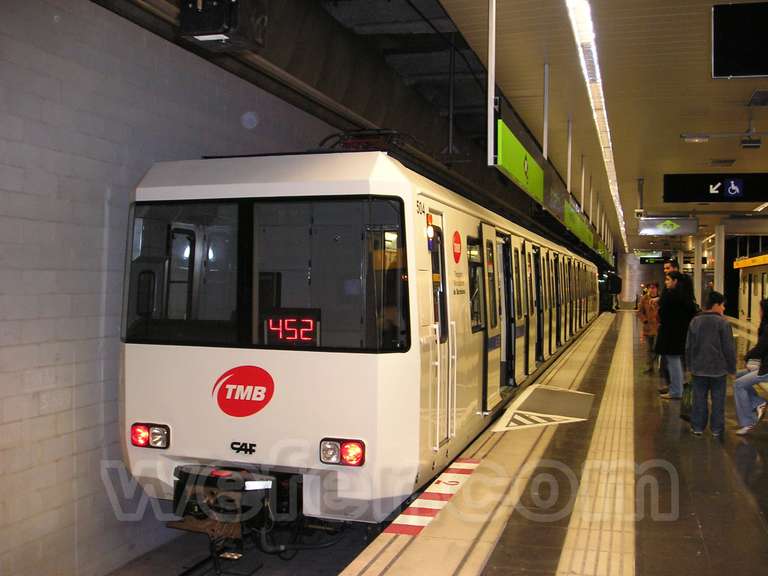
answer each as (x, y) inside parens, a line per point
(639, 213)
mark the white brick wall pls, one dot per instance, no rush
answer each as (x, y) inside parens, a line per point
(88, 102)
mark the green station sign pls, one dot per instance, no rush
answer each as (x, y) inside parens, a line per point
(514, 161)
(576, 223)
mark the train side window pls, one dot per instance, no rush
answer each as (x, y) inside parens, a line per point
(529, 278)
(476, 285)
(518, 291)
(489, 254)
(765, 285)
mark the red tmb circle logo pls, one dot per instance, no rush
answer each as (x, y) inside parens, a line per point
(456, 247)
(243, 391)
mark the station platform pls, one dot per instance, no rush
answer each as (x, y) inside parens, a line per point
(608, 482)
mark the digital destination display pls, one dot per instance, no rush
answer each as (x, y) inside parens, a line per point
(295, 327)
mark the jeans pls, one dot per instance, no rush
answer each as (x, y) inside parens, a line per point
(715, 385)
(675, 369)
(745, 397)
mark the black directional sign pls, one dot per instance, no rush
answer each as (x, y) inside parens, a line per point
(751, 187)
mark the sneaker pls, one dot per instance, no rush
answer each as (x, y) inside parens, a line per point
(744, 430)
(666, 396)
(716, 434)
(663, 390)
(696, 432)
(761, 411)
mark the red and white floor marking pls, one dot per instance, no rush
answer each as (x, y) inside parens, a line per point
(436, 497)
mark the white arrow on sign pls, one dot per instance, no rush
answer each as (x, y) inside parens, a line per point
(714, 189)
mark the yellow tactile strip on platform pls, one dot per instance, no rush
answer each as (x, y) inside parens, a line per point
(601, 532)
(460, 539)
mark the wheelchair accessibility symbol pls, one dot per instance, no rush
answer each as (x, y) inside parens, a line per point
(733, 188)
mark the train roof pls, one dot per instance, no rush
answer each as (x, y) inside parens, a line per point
(235, 177)
(317, 174)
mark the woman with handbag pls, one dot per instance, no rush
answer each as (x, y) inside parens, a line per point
(750, 407)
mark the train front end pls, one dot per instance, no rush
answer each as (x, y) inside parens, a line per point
(267, 346)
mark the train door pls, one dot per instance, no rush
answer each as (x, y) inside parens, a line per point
(531, 323)
(520, 337)
(491, 385)
(507, 306)
(441, 362)
(557, 288)
(756, 297)
(538, 292)
(569, 281)
(580, 289)
(547, 305)
(564, 289)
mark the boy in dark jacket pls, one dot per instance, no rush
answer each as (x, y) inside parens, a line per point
(711, 354)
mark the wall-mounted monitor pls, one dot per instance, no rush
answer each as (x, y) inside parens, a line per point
(739, 44)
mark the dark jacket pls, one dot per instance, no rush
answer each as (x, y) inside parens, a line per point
(675, 313)
(710, 349)
(760, 350)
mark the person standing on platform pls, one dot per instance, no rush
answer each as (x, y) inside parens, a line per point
(711, 354)
(675, 312)
(750, 407)
(648, 312)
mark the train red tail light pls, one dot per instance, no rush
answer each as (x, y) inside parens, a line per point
(150, 435)
(140, 435)
(352, 453)
(342, 452)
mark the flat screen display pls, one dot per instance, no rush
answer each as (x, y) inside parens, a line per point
(293, 327)
(739, 42)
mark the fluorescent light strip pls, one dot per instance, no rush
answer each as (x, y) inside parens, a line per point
(580, 14)
(762, 207)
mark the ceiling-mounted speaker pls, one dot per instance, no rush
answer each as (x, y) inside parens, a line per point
(224, 25)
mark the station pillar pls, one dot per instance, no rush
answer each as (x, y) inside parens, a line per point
(720, 258)
(697, 275)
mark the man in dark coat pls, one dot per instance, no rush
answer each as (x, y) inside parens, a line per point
(676, 309)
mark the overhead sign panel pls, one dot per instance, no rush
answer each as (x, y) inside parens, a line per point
(751, 187)
(748, 262)
(516, 164)
(738, 40)
(648, 253)
(576, 223)
(667, 226)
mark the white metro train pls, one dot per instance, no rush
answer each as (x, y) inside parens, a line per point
(337, 319)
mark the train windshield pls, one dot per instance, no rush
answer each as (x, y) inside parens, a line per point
(309, 274)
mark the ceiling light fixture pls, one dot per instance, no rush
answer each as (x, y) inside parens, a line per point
(580, 15)
(762, 207)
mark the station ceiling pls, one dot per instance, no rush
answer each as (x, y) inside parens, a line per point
(655, 60)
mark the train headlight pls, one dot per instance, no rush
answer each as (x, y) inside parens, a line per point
(158, 436)
(343, 452)
(330, 452)
(150, 435)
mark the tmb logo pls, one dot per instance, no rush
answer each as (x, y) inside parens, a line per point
(243, 391)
